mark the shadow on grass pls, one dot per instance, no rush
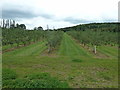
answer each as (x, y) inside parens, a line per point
(77, 60)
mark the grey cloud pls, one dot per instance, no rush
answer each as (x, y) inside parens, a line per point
(47, 16)
(75, 21)
(16, 13)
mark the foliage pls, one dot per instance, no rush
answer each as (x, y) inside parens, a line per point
(20, 36)
(53, 38)
(40, 80)
(95, 37)
(112, 27)
(8, 74)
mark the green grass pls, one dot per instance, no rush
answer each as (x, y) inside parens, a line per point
(112, 52)
(70, 48)
(72, 64)
(7, 47)
(33, 49)
(37, 80)
(8, 74)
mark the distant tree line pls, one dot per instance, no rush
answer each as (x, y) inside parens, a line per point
(111, 27)
(38, 28)
(9, 23)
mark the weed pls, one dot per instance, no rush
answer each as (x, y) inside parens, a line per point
(8, 74)
(42, 80)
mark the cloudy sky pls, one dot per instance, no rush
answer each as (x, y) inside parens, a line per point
(59, 13)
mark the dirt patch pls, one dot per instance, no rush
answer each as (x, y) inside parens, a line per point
(53, 53)
(100, 55)
(90, 50)
(98, 69)
(40, 66)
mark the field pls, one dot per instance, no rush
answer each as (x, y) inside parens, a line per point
(69, 64)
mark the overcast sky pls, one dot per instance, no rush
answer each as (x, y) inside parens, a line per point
(59, 13)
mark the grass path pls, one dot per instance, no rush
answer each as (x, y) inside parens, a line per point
(109, 51)
(33, 49)
(70, 48)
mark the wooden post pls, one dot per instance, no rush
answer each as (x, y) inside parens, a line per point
(49, 48)
(95, 49)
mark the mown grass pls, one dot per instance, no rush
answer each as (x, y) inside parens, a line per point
(33, 49)
(73, 65)
(112, 52)
(70, 48)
